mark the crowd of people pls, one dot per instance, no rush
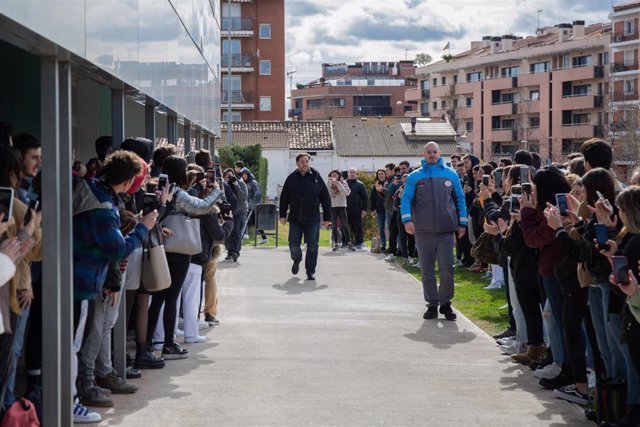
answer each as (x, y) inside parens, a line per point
(563, 240)
(146, 222)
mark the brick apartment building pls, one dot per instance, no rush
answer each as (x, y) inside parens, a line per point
(624, 71)
(256, 85)
(360, 89)
(546, 92)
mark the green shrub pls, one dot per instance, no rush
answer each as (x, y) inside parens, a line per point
(370, 223)
(263, 175)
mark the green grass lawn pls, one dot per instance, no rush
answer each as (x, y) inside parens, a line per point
(482, 307)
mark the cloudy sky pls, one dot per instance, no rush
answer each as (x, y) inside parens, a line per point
(319, 31)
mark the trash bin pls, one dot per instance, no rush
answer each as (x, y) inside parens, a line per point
(266, 216)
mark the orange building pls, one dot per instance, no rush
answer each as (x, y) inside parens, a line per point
(361, 89)
(546, 93)
(256, 84)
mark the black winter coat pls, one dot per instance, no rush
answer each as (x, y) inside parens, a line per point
(211, 231)
(303, 195)
(524, 260)
(357, 199)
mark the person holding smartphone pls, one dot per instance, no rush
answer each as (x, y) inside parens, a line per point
(338, 191)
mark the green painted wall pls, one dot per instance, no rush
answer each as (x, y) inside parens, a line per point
(19, 89)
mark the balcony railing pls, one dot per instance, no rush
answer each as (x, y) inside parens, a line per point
(295, 112)
(621, 37)
(244, 60)
(237, 24)
(371, 111)
(237, 96)
(426, 93)
(618, 67)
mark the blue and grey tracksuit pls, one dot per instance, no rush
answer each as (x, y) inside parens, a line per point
(434, 201)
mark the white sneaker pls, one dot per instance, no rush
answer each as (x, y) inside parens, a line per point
(390, 258)
(179, 332)
(549, 372)
(514, 347)
(203, 325)
(196, 339)
(493, 286)
(505, 340)
(245, 237)
(263, 241)
(84, 415)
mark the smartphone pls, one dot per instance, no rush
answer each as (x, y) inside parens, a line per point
(6, 203)
(527, 187)
(163, 179)
(524, 174)
(211, 175)
(485, 180)
(448, 164)
(498, 177)
(602, 234)
(475, 186)
(149, 203)
(516, 190)
(605, 201)
(515, 204)
(33, 205)
(621, 269)
(562, 204)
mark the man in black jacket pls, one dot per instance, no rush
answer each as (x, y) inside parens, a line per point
(356, 206)
(303, 192)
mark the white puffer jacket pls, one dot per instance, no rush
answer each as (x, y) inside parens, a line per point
(7, 270)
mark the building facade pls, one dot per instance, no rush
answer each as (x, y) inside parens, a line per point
(252, 61)
(360, 89)
(546, 93)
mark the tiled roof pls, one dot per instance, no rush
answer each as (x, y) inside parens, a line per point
(180, 149)
(356, 137)
(301, 135)
(268, 139)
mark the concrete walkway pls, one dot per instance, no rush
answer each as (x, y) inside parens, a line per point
(350, 349)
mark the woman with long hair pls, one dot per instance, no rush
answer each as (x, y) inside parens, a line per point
(376, 204)
(339, 190)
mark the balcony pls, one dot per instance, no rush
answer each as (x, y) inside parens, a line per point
(581, 101)
(240, 62)
(413, 95)
(528, 106)
(371, 111)
(240, 99)
(622, 97)
(579, 73)
(504, 109)
(426, 93)
(504, 134)
(240, 27)
(500, 83)
(621, 37)
(464, 113)
(618, 67)
(440, 91)
(295, 112)
(467, 88)
(577, 130)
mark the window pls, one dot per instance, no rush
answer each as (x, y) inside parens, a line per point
(629, 87)
(455, 79)
(236, 116)
(265, 103)
(435, 82)
(571, 145)
(235, 46)
(629, 57)
(628, 27)
(443, 79)
(504, 148)
(539, 67)
(510, 72)
(264, 31)
(444, 104)
(469, 126)
(265, 67)
(469, 102)
(534, 122)
(474, 77)
(581, 61)
(534, 95)
(605, 58)
(435, 105)
(565, 61)
(424, 109)
(325, 103)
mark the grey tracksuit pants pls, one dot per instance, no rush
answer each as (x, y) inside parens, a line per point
(434, 247)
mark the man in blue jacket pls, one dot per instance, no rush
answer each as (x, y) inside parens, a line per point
(432, 209)
(303, 192)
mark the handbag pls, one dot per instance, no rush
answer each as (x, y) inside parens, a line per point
(186, 238)
(134, 270)
(155, 275)
(375, 245)
(483, 249)
(21, 413)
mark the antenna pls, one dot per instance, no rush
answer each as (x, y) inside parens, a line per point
(538, 25)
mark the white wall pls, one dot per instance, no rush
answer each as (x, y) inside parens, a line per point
(278, 169)
(370, 164)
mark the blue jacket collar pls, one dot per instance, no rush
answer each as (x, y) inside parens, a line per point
(440, 164)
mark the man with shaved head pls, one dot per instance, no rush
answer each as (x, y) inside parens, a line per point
(433, 208)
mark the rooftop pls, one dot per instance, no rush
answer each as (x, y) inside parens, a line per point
(303, 135)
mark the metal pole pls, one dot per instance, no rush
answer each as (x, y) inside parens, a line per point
(229, 91)
(172, 134)
(187, 134)
(54, 406)
(65, 159)
(150, 119)
(120, 328)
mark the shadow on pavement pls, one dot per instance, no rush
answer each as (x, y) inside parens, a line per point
(297, 286)
(441, 334)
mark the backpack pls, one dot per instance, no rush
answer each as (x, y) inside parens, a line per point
(21, 414)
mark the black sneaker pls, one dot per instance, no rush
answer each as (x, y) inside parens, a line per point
(148, 360)
(116, 384)
(505, 334)
(565, 378)
(447, 311)
(174, 351)
(431, 313)
(311, 276)
(571, 394)
(211, 320)
(295, 267)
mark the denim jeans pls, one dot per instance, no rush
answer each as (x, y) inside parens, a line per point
(518, 315)
(16, 350)
(556, 336)
(382, 227)
(311, 234)
(600, 326)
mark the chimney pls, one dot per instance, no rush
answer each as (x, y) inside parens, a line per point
(578, 29)
(496, 44)
(413, 124)
(507, 42)
(486, 41)
(564, 32)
